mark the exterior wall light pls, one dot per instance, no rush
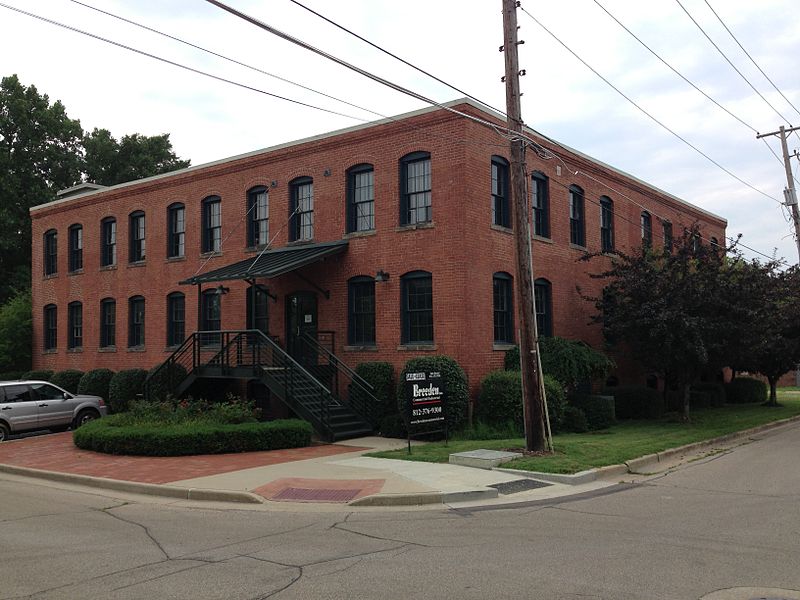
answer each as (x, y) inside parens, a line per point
(381, 276)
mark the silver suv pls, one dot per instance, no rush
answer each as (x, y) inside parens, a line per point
(29, 405)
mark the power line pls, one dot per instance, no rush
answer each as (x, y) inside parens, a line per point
(650, 116)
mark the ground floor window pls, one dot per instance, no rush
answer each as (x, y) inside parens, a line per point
(108, 323)
(135, 322)
(361, 311)
(542, 291)
(417, 308)
(176, 319)
(50, 327)
(211, 316)
(503, 308)
(257, 309)
(75, 325)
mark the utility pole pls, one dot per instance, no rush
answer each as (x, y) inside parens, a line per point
(790, 193)
(533, 405)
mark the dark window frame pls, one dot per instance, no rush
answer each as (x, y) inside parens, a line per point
(606, 224)
(260, 320)
(136, 322)
(176, 319)
(416, 319)
(668, 237)
(503, 308)
(108, 242)
(577, 216)
(257, 223)
(301, 216)
(211, 225)
(501, 190)
(50, 326)
(176, 230)
(75, 248)
(646, 221)
(360, 211)
(137, 227)
(543, 293)
(50, 242)
(361, 329)
(75, 325)
(541, 204)
(408, 163)
(108, 323)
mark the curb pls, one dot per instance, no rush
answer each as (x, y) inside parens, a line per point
(150, 489)
(422, 498)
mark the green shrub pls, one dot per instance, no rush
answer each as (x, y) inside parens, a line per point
(393, 426)
(162, 381)
(599, 410)
(231, 411)
(715, 393)
(556, 402)
(744, 390)
(574, 420)
(96, 382)
(211, 389)
(636, 402)
(16, 331)
(11, 375)
(380, 375)
(500, 400)
(156, 439)
(699, 399)
(39, 375)
(511, 361)
(455, 384)
(569, 361)
(67, 380)
(125, 387)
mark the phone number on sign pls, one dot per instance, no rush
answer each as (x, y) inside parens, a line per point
(429, 410)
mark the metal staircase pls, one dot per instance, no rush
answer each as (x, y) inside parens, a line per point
(252, 355)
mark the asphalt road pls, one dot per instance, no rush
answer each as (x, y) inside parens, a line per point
(730, 520)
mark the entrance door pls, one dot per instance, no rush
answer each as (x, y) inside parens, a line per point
(301, 319)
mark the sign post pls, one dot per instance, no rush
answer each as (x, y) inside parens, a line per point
(425, 404)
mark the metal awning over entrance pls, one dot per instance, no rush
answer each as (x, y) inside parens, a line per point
(271, 263)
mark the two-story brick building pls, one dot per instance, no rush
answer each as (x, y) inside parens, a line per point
(395, 236)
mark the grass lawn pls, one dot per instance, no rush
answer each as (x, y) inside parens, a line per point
(626, 440)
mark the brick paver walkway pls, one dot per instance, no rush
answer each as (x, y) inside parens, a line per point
(57, 453)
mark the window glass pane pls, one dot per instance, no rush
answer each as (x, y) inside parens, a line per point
(18, 393)
(362, 313)
(418, 191)
(47, 392)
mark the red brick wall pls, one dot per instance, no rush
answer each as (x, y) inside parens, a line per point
(462, 250)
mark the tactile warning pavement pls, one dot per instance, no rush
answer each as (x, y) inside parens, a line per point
(518, 485)
(292, 494)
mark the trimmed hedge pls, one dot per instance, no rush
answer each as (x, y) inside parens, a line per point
(599, 410)
(500, 400)
(380, 375)
(162, 381)
(11, 375)
(636, 402)
(125, 387)
(455, 383)
(714, 393)
(153, 439)
(574, 420)
(96, 382)
(39, 375)
(744, 390)
(68, 380)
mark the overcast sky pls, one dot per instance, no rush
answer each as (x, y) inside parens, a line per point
(114, 88)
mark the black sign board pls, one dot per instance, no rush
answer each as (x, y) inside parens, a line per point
(425, 401)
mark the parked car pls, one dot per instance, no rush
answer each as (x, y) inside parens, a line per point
(31, 405)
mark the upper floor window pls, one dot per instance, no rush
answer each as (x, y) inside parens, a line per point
(176, 319)
(503, 302)
(361, 313)
(50, 327)
(714, 244)
(108, 241)
(212, 224)
(696, 242)
(301, 209)
(258, 223)
(606, 224)
(51, 252)
(501, 211)
(176, 230)
(360, 198)
(75, 325)
(417, 306)
(667, 237)
(135, 322)
(647, 229)
(577, 225)
(108, 323)
(75, 248)
(137, 239)
(415, 188)
(541, 204)
(543, 296)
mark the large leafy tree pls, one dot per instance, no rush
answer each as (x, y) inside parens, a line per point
(15, 333)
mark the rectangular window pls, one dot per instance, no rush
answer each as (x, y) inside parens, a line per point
(361, 199)
(259, 320)
(417, 290)
(361, 316)
(136, 322)
(50, 327)
(544, 311)
(258, 206)
(501, 214)
(667, 237)
(75, 325)
(503, 309)
(176, 319)
(137, 250)
(108, 324)
(541, 205)
(50, 253)
(647, 229)
(606, 225)
(302, 207)
(176, 231)
(416, 189)
(108, 233)
(75, 248)
(577, 231)
(212, 224)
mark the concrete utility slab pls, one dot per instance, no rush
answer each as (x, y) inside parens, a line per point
(482, 459)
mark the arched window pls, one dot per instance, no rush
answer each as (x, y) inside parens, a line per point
(543, 294)
(577, 225)
(212, 224)
(258, 221)
(50, 327)
(74, 325)
(415, 188)
(541, 204)
(176, 230)
(51, 252)
(503, 302)
(137, 250)
(75, 248)
(501, 207)
(211, 315)
(108, 242)
(667, 237)
(136, 322)
(176, 319)
(417, 307)
(108, 323)
(360, 198)
(361, 311)
(606, 224)
(301, 209)
(647, 229)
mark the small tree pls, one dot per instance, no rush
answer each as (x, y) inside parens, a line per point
(15, 333)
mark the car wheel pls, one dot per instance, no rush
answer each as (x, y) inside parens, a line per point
(4, 432)
(87, 415)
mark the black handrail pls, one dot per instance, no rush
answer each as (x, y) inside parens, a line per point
(336, 361)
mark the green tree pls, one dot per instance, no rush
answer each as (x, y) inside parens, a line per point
(40, 153)
(136, 156)
(15, 333)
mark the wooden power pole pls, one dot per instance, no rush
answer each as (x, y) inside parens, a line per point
(790, 193)
(533, 405)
